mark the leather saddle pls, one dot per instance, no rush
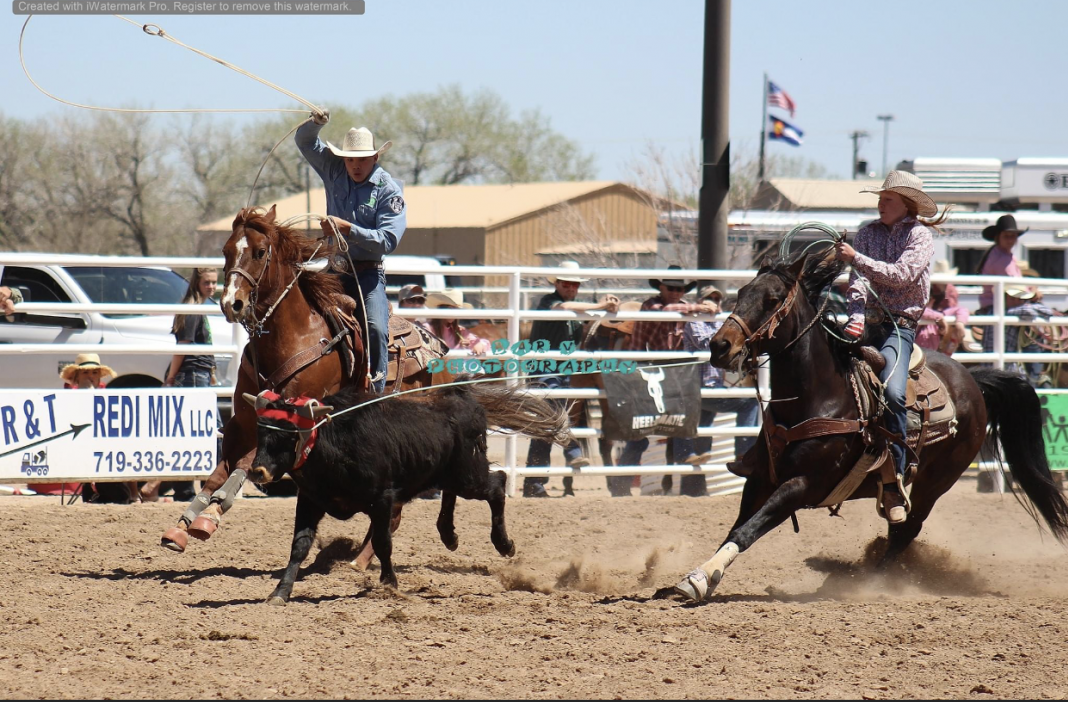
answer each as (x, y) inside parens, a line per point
(411, 347)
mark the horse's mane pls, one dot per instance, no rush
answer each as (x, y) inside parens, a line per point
(292, 247)
(818, 274)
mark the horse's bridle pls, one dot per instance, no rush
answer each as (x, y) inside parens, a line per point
(767, 330)
(254, 296)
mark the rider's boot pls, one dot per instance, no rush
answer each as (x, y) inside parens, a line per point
(750, 462)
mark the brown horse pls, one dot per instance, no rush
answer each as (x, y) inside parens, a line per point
(814, 433)
(292, 350)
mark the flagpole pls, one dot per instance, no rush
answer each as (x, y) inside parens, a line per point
(763, 130)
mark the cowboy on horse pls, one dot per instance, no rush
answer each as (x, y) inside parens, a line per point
(891, 259)
(365, 207)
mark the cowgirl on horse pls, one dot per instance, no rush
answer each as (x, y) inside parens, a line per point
(891, 257)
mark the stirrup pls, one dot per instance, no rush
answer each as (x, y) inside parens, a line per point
(694, 585)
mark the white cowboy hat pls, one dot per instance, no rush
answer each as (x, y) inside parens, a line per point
(359, 143)
(909, 186)
(710, 291)
(449, 297)
(1020, 293)
(85, 361)
(942, 266)
(569, 278)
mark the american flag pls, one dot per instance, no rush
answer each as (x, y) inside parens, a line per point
(777, 97)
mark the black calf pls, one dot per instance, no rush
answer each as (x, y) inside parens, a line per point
(388, 452)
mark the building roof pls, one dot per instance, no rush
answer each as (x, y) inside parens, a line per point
(611, 247)
(810, 194)
(455, 206)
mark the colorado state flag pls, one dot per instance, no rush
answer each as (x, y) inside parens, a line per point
(785, 131)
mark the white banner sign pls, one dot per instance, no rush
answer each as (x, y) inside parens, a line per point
(100, 435)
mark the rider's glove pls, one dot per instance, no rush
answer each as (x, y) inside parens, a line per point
(854, 329)
(321, 117)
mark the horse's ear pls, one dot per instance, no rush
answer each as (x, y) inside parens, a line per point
(798, 267)
(271, 213)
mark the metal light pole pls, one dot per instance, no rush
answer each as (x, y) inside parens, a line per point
(715, 139)
(885, 119)
(856, 136)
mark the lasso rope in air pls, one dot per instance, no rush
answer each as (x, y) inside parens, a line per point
(156, 31)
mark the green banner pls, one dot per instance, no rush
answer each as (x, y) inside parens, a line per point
(1055, 429)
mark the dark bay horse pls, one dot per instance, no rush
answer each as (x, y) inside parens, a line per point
(285, 307)
(776, 315)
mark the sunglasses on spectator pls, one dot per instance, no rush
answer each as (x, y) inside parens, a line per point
(675, 288)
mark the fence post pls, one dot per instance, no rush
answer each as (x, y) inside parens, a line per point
(511, 442)
(999, 328)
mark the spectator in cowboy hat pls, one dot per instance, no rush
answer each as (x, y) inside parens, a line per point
(1021, 302)
(556, 331)
(698, 450)
(892, 258)
(411, 295)
(999, 259)
(366, 207)
(658, 336)
(454, 334)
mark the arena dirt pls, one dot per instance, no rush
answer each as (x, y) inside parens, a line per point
(92, 607)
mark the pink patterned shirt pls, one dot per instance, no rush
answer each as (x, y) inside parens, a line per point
(896, 262)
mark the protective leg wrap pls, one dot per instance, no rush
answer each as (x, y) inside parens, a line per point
(700, 583)
(198, 505)
(226, 495)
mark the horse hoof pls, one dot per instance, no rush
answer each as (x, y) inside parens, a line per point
(694, 586)
(175, 539)
(452, 543)
(202, 528)
(276, 601)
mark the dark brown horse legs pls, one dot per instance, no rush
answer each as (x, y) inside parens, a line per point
(700, 583)
(367, 549)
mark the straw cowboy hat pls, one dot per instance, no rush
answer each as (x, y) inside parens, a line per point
(85, 361)
(449, 297)
(942, 267)
(566, 277)
(1020, 293)
(626, 326)
(674, 282)
(359, 143)
(908, 186)
(710, 291)
(1005, 223)
(1027, 271)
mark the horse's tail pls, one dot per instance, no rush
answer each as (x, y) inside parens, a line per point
(515, 409)
(1015, 418)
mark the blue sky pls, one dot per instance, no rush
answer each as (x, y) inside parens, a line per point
(973, 78)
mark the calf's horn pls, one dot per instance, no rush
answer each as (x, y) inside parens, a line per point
(251, 399)
(320, 410)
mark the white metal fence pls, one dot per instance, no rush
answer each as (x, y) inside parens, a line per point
(515, 312)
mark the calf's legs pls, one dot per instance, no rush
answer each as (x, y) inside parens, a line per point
(304, 528)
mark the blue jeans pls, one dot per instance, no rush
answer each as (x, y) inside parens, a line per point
(896, 421)
(373, 287)
(539, 451)
(192, 378)
(747, 409)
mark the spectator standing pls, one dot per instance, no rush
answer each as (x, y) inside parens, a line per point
(555, 332)
(189, 371)
(999, 259)
(657, 336)
(695, 451)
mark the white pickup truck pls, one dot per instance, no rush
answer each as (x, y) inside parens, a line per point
(95, 284)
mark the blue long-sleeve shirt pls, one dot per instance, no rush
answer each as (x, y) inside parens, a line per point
(375, 207)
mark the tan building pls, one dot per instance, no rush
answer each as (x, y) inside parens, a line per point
(497, 224)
